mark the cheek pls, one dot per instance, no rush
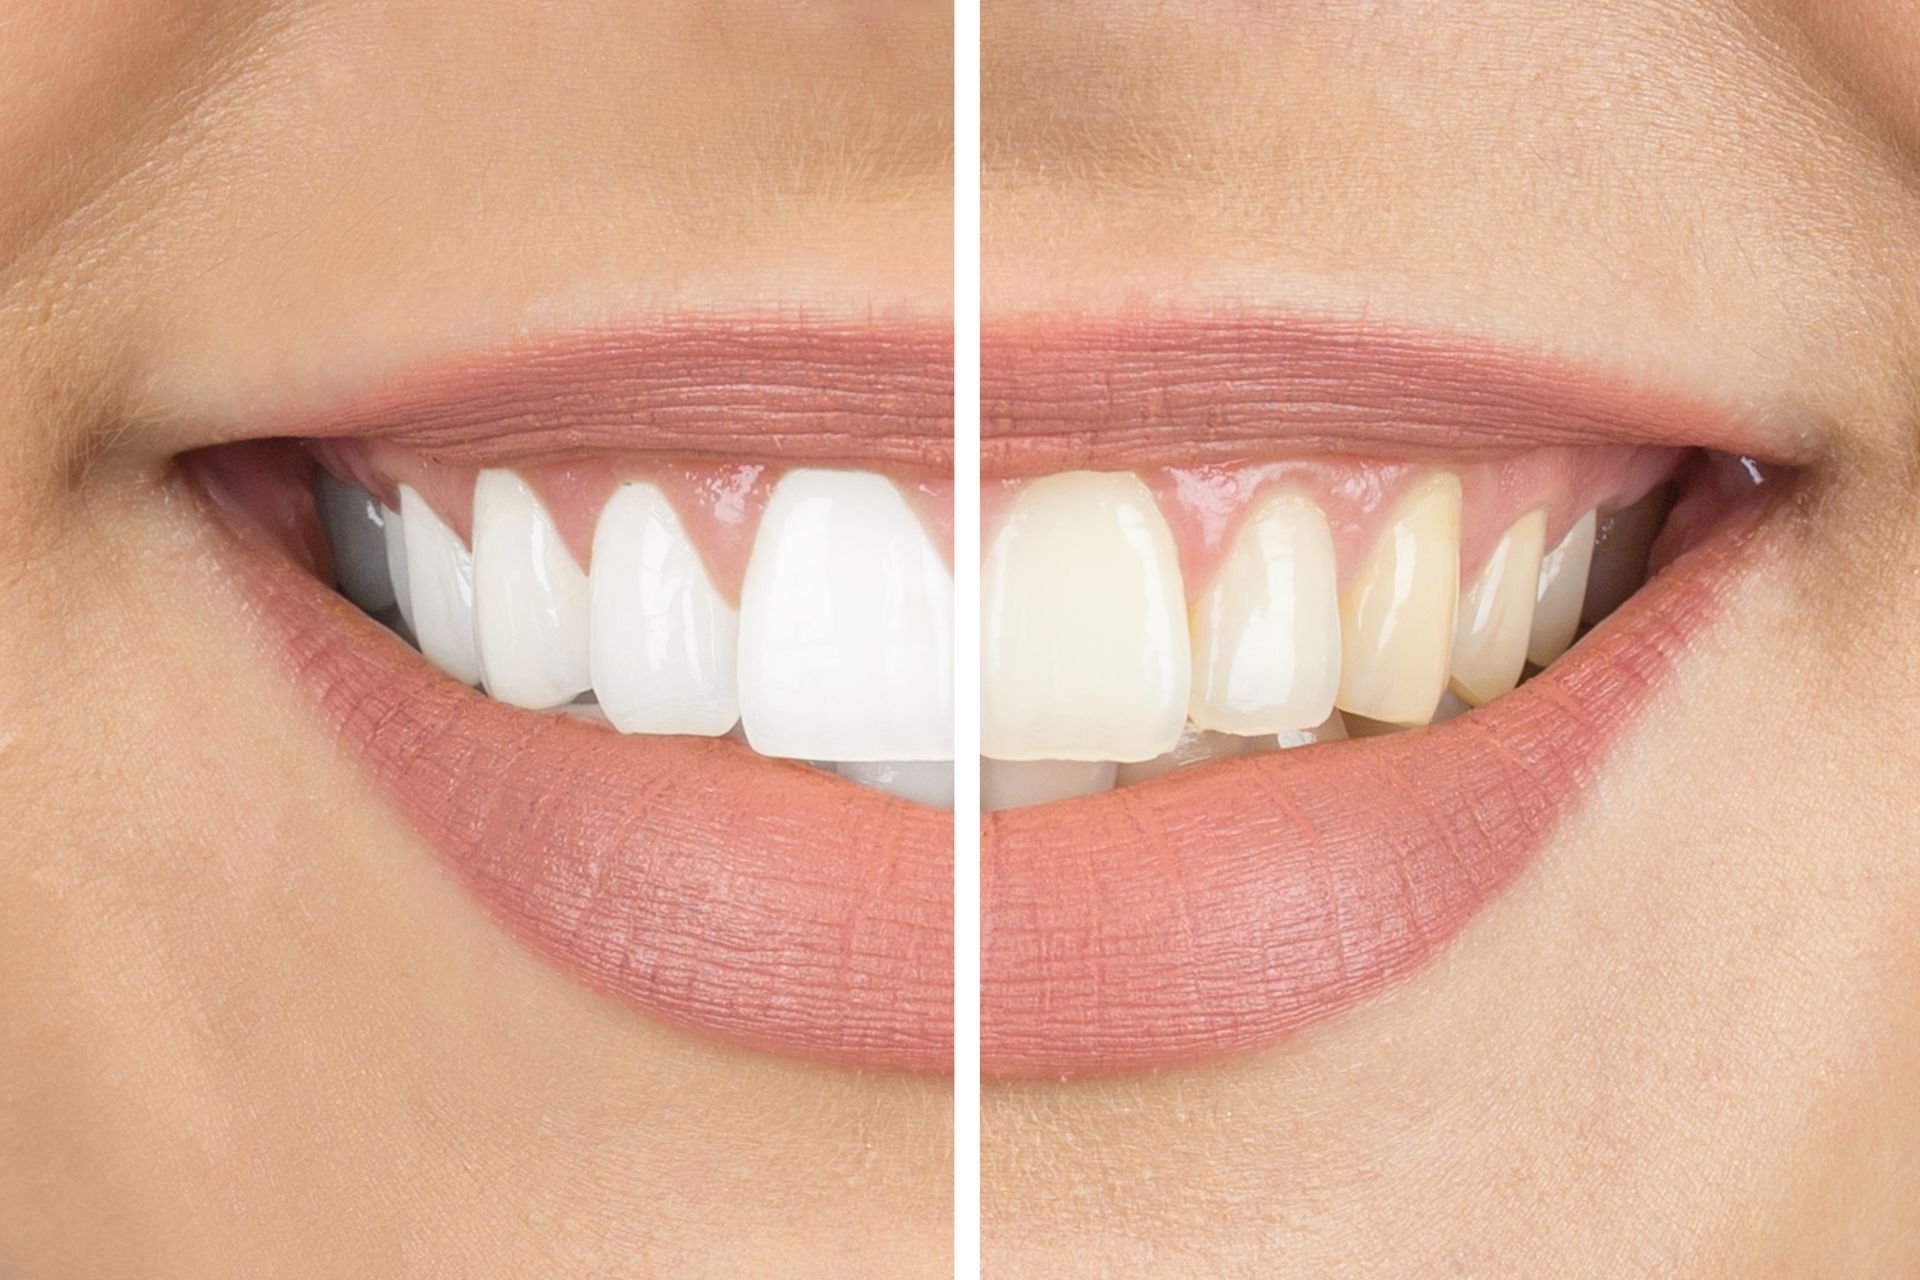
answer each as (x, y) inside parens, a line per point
(1870, 46)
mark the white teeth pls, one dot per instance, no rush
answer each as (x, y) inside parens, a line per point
(1015, 784)
(1266, 633)
(663, 645)
(1396, 619)
(351, 517)
(846, 626)
(531, 603)
(1196, 746)
(928, 782)
(1563, 585)
(439, 582)
(1332, 729)
(1495, 615)
(1620, 549)
(1083, 626)
(393, 533)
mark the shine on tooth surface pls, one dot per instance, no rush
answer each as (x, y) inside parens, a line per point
(531, 601)
(355, 530)
(664, 642)
(1266, 631)
(846, 625)
(1017, 784)
(1562, 589)
(928, 782)
(1084, 646)
(1495, 615)
(439, 578)
(1196, 746)
(1396, 617)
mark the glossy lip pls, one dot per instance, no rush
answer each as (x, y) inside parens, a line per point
(1216, 910)
(757, 901)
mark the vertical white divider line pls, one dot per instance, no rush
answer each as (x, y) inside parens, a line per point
(966, 650)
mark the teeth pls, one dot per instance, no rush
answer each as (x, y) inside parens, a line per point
(663, 646)
(531, 602)
(1620, 549)
(393, 533)
(438, 579)
(1332, 729)
(1266, 633)
(1396, 619)
(846, 626)
(351, 517)
(1015, 784)
(1496, 614)
(1563, 585)
(928, 782)
(1083, 632)
(1196, 746)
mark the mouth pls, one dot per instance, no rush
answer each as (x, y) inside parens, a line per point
(649, 636)
(1299, 639)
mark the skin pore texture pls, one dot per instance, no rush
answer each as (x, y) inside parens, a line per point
(1683, 1042)
(248, 1024)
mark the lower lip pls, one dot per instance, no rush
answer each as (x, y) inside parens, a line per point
(756, 901)
(1216, 911)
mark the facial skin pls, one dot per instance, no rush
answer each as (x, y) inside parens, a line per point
(1685, 1042)
(248, 1025)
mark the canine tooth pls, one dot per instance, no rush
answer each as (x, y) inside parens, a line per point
(846, 625)
(1196, 746)
(531, 602)
(1083, 626)
(352, 520)
(1332, 729)
(1266, 632)
(439, 582)
(1015, 784)
(1563, 585)
(1396, 619)
(1620, 549)
(664, 642)
(1496, 613)
(393, 533)
(928, 782)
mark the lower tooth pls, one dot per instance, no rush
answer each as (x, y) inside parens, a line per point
(439, 583)
(928, 782)
(1620, 549)
(1196, 746)
(1332, 729)
(1015, 784)
(352, 519)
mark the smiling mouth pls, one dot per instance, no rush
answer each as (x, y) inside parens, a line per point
(1299, 637)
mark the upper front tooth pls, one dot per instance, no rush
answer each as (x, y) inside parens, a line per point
(846, 625)
(531, 601)
(1396, 619)
(1563, 585)
(439, 581)
(351, 516)
(1496, 614)
(393, 533)
(1266, 633)
(664, 641)
(1083, 626)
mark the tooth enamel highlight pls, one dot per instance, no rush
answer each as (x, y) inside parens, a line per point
(1332, 729)
(1266, 633)
(1083, 636)
(1563, 585)
(1196, 746)
(439, 582)
(846, 626)
(531, 602)
(351, 517)
(664, 642)
(928, 782)
(1396, 619)
(1015, 784)
(393, 534)
(1495, 615)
